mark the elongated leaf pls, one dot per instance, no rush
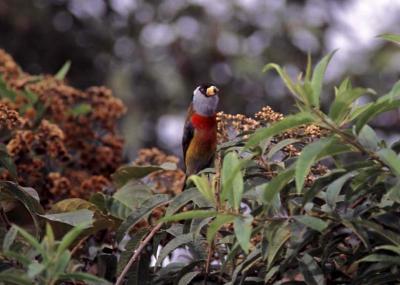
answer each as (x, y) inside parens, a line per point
(148, 206)
(232, 180)
(317, 78)
(374, 110)
(312, 222)
(368, 138)
(31, 240)
(219, 221)
(277, 183)
(81, 109)
(195, 214)
(288, 122)
(392, 248)
(243, 228)
(306, 159)
(391, 159)
(333, 190)
(279, 146)
(382, 258)
(311, 271)
(86, 277)
(133, 194)
(60, 75)
(130, 247)
(70, 237)
(7, 162)
(73, 218)
(391, 37)
(14, 277)
(126, 173)
(277, 235)
(9, 238)
(173, 244)
(188, 277)
(182, 199)
(283, 74)
(205, 188)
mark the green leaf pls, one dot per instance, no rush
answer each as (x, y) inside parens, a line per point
(333, 190)
(307, 158)
(70, 237)
(188, 277)
(243, 228)
(130, 248)
(7, 162)
(382, 258)
(5, 91)
(391, 159)
(9, 238)
(311, 271)
(312, 222)
(195, 214)
(342, 104)
(173, 244)
(80, 109)
(374, 110)
(60, 75)
(288, 122)
(279, 146)
(277, 183)
(317, 78)
(14, 277)
(31, 240)
(73, 218)
(128, 172)
(232, 180)
(34, 269)
(368, 138)
(277, 235)
(204, 186)
(283, 74)
(147, 207)
(391, 37)
(392, 248)
(219, 221)
(87, 278)
(182, 199)
(133, 194)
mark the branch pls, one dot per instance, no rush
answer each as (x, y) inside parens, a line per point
(137, 253)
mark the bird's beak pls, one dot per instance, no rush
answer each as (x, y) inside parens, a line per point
(211, 91)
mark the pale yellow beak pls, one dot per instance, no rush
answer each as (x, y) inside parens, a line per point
(211, 91)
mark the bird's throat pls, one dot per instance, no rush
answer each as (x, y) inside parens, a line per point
(204, 122)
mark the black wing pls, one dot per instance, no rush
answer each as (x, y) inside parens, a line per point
(188, 133)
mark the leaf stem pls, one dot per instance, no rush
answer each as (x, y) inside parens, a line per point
(137, 253)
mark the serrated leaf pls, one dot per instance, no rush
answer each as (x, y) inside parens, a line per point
(307, 158)
(232, 180)
(243, 228)
(128, 172)
(147, 207)
(204, 186)
(288, 122)
(216, 224)
(318, 77)
(60, 75)
(312, 222)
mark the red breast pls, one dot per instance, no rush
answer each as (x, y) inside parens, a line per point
(203, 123)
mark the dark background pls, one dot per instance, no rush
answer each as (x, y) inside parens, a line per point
(152, 54)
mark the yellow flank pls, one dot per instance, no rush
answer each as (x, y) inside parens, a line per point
(200, 151)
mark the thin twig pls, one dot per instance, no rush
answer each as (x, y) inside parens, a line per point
(137, 253)
(208, 262)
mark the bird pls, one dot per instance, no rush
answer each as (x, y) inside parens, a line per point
(199, 140)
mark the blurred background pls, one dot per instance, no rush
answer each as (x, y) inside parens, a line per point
(152, 54)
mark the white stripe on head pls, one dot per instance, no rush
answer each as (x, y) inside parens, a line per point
(203, 105)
